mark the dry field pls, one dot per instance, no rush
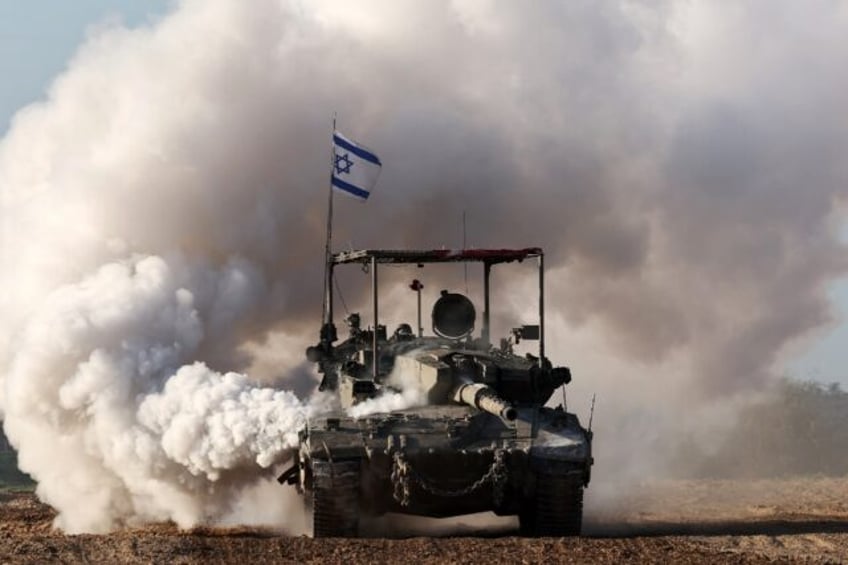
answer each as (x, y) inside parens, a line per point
(764, 521)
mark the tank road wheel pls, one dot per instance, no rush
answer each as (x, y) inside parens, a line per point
(335, 499)
(555, 510)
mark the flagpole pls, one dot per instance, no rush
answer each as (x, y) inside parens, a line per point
(328, 268)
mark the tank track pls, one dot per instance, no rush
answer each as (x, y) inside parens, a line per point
(335, 499)
(556, 509)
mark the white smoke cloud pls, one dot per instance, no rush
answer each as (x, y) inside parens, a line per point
(405, 392)
(106, 368)
(163, 209)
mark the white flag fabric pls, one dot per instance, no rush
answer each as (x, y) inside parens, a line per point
(355, 168)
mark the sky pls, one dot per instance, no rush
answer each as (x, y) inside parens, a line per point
(39, 37)
(825, 359)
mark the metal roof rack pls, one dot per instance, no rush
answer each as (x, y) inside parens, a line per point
(490, 256)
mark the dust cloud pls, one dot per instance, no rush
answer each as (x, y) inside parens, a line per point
(163, 212)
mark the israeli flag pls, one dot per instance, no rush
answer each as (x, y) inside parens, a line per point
(355, 168)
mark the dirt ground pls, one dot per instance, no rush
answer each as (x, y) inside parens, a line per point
(767, 521)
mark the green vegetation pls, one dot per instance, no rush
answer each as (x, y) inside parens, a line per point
(802, 430)
(11, 478)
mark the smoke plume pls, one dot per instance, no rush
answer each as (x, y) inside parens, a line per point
(163, 215)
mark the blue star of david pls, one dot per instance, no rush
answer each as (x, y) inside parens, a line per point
(343, 164)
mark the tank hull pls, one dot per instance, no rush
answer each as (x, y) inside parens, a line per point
(441, 461)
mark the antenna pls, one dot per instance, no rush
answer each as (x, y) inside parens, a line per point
(592, 412)
(464, 245)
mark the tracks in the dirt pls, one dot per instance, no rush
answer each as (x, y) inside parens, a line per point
(776, 527)
(684, 522)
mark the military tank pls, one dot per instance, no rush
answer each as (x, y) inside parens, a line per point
(481, 438)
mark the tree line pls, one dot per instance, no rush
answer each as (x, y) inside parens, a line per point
(800, 430)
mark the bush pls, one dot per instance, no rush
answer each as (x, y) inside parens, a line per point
(10, 475)
(802, 430)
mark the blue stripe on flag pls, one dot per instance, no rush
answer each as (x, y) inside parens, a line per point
(358, 151)
(349, 188)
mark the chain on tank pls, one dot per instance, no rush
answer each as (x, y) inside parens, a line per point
(403, 474)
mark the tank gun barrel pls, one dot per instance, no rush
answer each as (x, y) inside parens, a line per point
(484, 398)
